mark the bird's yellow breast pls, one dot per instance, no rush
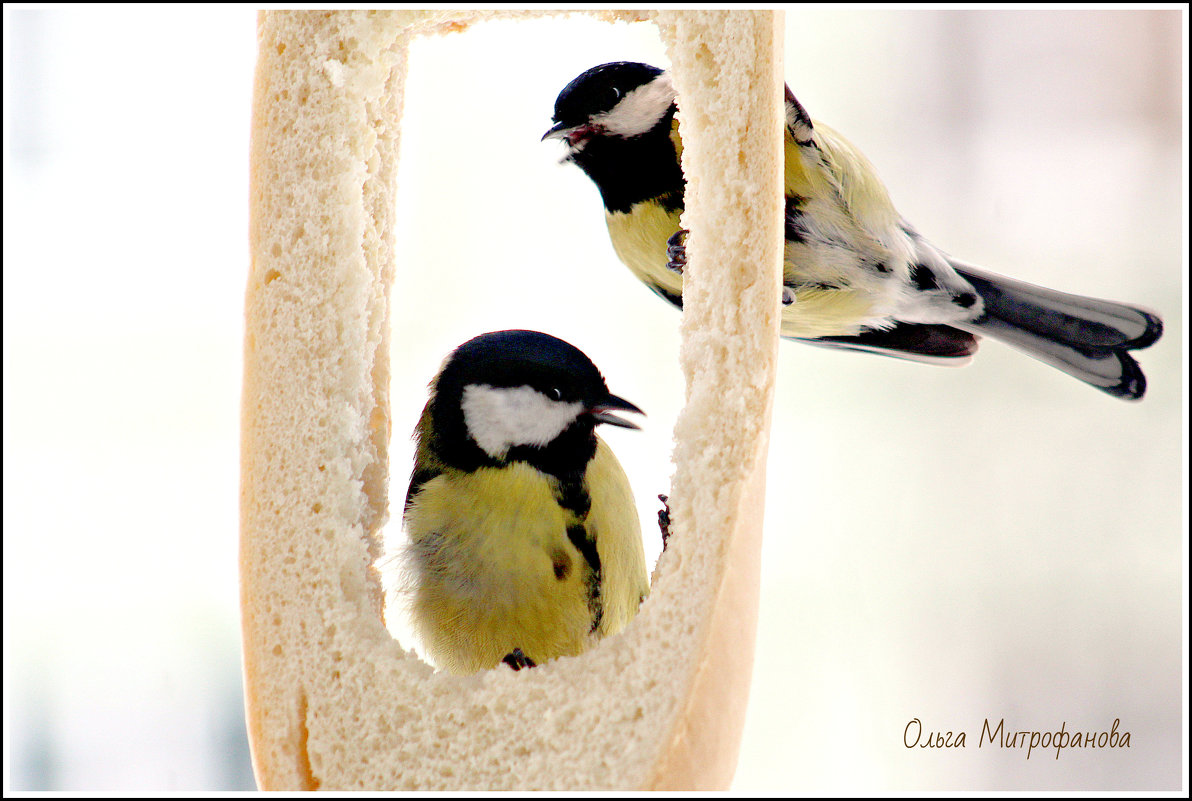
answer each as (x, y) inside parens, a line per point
(496, 570)
(639, 239)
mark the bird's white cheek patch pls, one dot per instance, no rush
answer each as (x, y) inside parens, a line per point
(640, 110)
(500, 418)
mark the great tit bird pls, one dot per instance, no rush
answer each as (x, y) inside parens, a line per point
(856, 274)
(524, 540)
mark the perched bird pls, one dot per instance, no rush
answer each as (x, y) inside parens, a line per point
(856, 274)
(524, 537)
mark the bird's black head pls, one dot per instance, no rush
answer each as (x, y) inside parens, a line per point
(616, 122)
(598, 90)
(521, 395)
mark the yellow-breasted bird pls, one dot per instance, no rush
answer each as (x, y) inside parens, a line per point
(856, 274)
(525, 543)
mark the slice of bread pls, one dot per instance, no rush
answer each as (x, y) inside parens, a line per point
(333, 701)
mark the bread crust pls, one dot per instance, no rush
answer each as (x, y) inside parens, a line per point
(731, 123)
(332, 700)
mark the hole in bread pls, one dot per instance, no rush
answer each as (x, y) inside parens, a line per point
(492, 232)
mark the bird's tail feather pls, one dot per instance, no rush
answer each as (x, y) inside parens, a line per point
(1087, 338)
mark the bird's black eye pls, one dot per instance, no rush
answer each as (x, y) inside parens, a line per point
(555, 394)
(608, 98)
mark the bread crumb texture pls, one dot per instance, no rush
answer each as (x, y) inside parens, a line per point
(727, 68)
(333, 701)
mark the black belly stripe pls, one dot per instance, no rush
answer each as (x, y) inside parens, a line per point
(573, 496)
(578, 534)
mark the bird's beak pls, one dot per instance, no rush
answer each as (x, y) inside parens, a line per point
(602, 411)
(559, 130)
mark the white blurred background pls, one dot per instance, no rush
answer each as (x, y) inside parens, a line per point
(997, 541)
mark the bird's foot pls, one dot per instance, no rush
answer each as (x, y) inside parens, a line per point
(664, 520)
(676, 251)
(517, 660)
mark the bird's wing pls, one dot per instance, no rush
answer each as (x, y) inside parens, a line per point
(426, 465)
(798, 123)
(800, 148)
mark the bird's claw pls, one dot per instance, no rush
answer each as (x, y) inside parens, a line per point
(517, 660)
(664, 520)
(676, 251)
